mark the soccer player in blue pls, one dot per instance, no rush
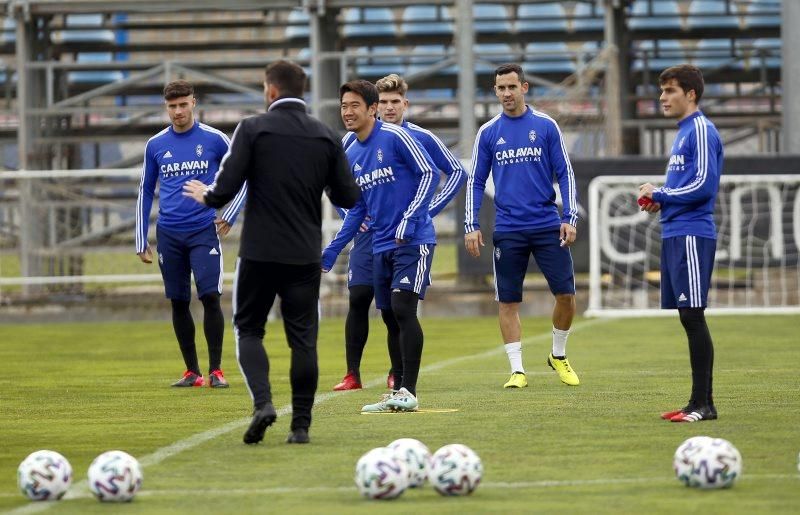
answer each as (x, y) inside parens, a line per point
(524, 150)
(187, 232)
(689, 235)
(397, 181)
(392, 106)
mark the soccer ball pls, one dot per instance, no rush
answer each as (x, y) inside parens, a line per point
(380, 475)
(44, 476)
(417, 457)
(684, 458)
(115, 476)
(455, 470)
(704, 462)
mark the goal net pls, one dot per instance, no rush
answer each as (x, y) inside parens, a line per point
(756, 264)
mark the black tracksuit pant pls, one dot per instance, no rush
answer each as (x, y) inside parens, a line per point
(257, 284)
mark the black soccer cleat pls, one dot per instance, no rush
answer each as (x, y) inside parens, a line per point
(262, 419)
(299, 435)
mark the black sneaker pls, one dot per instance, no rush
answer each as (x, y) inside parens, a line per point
(697, 414)
(299, 435)
(262, 419)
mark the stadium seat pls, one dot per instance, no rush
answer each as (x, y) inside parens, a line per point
(427, 20)
(299, 24)
(488, 56)
(374, 62)
(98, 76)
(368, 21)
(763, 13)
(9, 30)
(490, 18)
(668, 53)
(589, 16)
(717, 53)
(425, 56)
(547, 17)
(664, 15)
(86, 35)
(545, 58)
(712, 14)
(768, 53)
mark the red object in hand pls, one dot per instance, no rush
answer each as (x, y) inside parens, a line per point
(644, 201)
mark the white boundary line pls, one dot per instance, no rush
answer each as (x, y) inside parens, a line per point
(80, 489)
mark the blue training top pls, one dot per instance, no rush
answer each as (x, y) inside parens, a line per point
(397, 181)
(692, 181)
(523, 154)
(171, 159)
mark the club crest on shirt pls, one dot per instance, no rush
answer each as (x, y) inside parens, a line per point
(497, 253)
(532, 136)
(198, 150)
(380, 156)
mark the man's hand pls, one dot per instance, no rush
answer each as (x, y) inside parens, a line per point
(473, 241)
(646, 192)
(365, 225)
(223, 227)
(567, 235)
(146, 256)
(196, 190)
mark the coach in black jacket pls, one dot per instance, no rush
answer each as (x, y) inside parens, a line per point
(288, 159)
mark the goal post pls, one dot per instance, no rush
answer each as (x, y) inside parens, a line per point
(756, 262)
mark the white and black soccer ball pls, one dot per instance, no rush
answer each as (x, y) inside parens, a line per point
(704, 462)
(44, 476)
(684, 459)
(417, 457)
(115, 476)
(455, 470)
(381, 475)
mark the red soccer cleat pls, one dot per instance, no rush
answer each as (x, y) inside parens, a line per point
(669, 414)
(350, 382)
(217, 380)
(189, 379)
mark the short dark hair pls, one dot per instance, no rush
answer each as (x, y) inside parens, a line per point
(363, 88)
(177, 89)
(688, 77)
(288, 77)
(504, 69)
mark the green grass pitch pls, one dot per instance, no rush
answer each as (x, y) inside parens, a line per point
(81, 389)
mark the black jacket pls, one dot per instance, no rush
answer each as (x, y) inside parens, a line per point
(288, 159)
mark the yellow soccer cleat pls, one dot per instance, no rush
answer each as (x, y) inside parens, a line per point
(517, 380)
(565, 372)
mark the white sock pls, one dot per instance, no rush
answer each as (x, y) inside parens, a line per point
(514, 352)
(560, 342)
